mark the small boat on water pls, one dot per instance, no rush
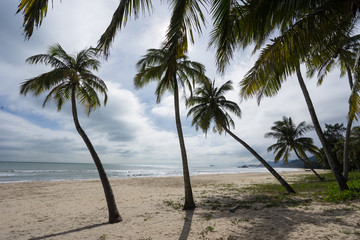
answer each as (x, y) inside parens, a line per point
(243, 166)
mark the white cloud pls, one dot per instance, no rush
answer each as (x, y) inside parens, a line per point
(165, 108)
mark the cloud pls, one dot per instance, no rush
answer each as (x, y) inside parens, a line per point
(23, 141)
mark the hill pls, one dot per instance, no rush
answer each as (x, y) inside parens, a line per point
(297, 163)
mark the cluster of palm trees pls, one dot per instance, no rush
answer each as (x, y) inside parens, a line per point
(316, 34)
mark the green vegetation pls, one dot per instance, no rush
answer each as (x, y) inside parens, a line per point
(308, 189)
(208, 216)
(103, 237)
(175, 205)
(207, 230)
(223, 197)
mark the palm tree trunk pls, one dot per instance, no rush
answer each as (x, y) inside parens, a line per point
(346, 147)
(288, 188)
(333, 164)
(357, 163)
(354, 88)
(348, 70)
(114, 215)
(308, 164)
(189, 200)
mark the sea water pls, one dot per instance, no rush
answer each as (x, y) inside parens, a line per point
(47, 171)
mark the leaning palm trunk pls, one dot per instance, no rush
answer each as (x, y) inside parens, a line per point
(354, 88)
(288, 188)
(308, 164)
(333, 164)
(114, 215)
(189, 200)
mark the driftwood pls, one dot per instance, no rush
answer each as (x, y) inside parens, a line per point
(233, 209)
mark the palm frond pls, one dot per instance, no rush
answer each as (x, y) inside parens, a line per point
(44, 82)
(120, 17)
(186, 17)
(289, 138)
(34, 13)
(57, 51)
(47, 60)
(87, 97)
(53, 92)
(70, 72)
(226, 16)
(62, 95)
(209, 105)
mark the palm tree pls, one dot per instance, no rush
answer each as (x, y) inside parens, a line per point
(159, 65)
(290, 138)
(345, 56)
(303, 25)
(72, 80)
(209, 105)
(354, 146)
(300, 25)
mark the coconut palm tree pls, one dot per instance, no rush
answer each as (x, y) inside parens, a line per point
(302, 24)
(209, 106)
(296, 27)
(345, 57)
(159, 65)
(72, 80)
(290, 138)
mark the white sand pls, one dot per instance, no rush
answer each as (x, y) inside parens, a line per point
(77, 210)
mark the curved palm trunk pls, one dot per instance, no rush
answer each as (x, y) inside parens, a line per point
(114, 215)
(288, 188)
(354, 88)
(307, 163)
(333, 164)
(189, 200)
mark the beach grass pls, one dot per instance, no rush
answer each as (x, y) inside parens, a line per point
(222, 197)
(308, 188)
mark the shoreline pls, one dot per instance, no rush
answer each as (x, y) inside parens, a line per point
(193, 174)
(150, 210)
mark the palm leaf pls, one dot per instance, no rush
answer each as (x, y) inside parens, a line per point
(125, 9)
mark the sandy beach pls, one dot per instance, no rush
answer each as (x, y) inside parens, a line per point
(149, 208)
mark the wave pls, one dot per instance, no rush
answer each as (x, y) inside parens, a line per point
(58, 172)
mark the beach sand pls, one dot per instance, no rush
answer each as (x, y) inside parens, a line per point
(77, 210)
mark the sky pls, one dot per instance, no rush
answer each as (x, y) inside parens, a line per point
(132, 128)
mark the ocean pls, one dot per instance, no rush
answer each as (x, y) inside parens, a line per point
(51, 171)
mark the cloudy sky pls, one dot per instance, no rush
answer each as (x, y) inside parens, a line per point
(132, 128)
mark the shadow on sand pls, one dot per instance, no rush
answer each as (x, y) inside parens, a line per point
(256, 220)
(69, 231)
(187, 225)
